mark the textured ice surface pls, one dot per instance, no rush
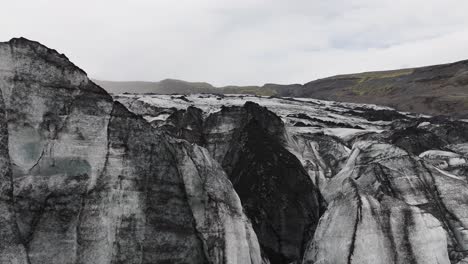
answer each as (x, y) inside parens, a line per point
(333, 118)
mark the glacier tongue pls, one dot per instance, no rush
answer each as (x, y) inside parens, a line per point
(393, 184)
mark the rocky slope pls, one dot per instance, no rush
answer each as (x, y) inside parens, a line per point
(435, 90)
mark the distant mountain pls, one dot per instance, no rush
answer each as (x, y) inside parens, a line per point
(436, 90)
(166, 86)
(172, 86)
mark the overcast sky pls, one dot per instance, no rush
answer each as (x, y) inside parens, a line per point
(242, 41)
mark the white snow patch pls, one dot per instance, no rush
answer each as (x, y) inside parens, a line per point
(456, 161)
(423, 124)
(438, 154)
(448, 174)
(161, 117)
(346, 133)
